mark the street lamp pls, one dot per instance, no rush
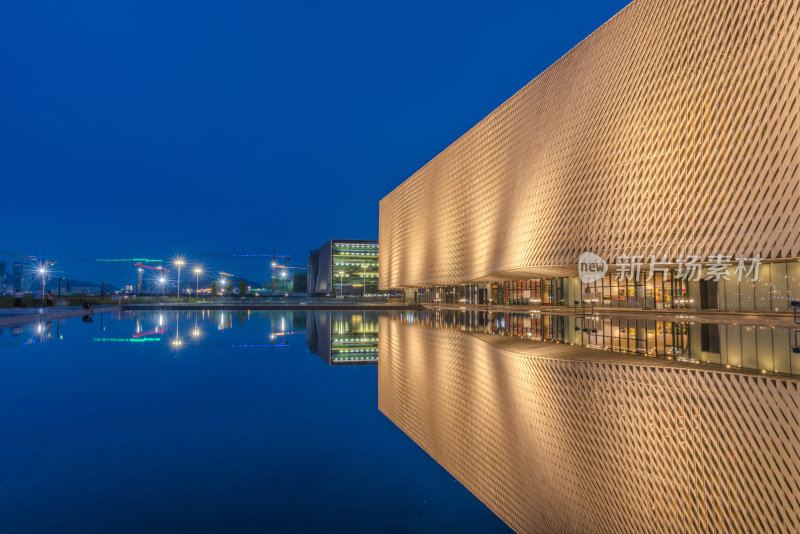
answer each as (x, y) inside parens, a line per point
(341, 283)
(42, 272)
(139, 283)
(364, 273)
(179, 262)
(162, 281)
(197, 272)
(223, 283)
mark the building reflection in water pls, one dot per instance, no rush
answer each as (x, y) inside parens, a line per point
(563, 438)
(30, 333)
(766, 349)
(343, 337)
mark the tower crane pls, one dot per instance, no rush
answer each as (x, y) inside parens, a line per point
(141, 267)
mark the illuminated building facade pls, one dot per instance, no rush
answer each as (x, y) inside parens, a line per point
(345, 268)
(669, 132)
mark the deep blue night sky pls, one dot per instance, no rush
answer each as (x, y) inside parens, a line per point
(134, 128)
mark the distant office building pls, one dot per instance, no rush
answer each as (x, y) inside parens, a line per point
(343, 338)
(299, 282)
(19, 277)
(344, 267)
(2, 277)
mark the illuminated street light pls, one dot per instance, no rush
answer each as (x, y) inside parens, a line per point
(223, 283)
(42, 271)
(179, 262)
(162, 281)
(197, 272)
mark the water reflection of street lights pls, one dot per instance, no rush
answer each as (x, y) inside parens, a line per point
(177, 342)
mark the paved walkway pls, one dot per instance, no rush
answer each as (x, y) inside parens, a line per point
(16, 316)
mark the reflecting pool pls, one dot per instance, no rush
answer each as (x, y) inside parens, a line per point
(207, 422)
(432, 421)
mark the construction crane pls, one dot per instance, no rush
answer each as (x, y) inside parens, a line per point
(278, 263)
(141, 267)
(40, 261)
(139, 263)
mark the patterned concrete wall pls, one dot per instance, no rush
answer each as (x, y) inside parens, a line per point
(671, 129)
(553, 441)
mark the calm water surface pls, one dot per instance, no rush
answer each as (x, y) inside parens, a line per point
(359, 422)
(116, 426)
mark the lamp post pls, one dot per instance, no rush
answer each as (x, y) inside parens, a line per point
(341, 284)
(139, 283)
(223, 283)
(42, 270)
(364, 272)
(197, 272)
(162, 281)
(179, 262)
(102, 292)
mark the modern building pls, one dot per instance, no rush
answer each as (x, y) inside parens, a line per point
(18, 275)
(3, 277)
(665, 143)
(344, 267)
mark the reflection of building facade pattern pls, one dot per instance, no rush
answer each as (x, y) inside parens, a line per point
(554, 442)
(671, 129)
(767, 348)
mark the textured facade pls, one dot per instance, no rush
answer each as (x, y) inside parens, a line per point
(557, 438)
(672, 129)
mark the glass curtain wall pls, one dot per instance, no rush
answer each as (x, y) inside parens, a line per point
(355, 268)
(662, 291)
